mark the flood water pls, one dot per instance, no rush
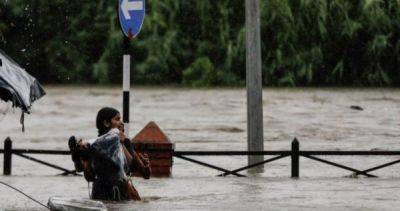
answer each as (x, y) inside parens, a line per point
(215, 119)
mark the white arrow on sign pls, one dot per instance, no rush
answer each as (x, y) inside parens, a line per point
(127, 6)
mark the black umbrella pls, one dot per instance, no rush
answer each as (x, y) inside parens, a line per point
(17, 86)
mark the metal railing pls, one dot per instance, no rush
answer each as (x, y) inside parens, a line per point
(295, 153)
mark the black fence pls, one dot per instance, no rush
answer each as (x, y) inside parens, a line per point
(294, 154)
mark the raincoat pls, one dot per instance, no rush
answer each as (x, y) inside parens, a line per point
(109, 166)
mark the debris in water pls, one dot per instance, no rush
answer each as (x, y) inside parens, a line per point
(230, 129)
(59, 203)
(355, 107)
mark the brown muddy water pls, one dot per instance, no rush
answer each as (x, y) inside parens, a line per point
(215, 119)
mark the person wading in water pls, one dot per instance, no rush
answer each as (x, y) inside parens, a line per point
(108, 160)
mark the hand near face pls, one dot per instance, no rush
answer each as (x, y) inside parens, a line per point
(122, 136)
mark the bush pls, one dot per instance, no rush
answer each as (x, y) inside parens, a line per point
(200, 73)
(202, 43)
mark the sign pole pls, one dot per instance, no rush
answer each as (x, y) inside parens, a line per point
(131, 15)
(126, 85)
(255, 133)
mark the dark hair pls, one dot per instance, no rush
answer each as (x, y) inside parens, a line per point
(105, 114)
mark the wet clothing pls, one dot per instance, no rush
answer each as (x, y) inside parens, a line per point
(112, 190)
(107, 156)
(104, 163)
(109, 167)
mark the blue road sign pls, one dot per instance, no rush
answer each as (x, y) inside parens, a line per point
(131, 15)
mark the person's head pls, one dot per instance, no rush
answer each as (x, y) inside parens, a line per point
(107, 119)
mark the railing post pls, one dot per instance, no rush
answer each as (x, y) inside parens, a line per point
(295, 158)
(7, 156)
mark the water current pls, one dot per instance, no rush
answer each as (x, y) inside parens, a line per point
(215, 119)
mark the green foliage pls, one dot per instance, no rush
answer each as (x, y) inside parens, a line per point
(202, 42)
(330, 42)
(200, 73)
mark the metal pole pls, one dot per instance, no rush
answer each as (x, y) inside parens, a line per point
(295, 158)
(7, 156)
(209, 165)
(66, 171)
(126, 85)
(252, 166)
(339, 165)
(255, 135)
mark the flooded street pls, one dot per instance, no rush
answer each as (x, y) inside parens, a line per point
(215, 119)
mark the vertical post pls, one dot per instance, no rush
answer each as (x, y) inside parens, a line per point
(7, 156)
(255, 133)
(126, 85)
(295, 158)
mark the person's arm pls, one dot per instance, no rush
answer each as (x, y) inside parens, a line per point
(128, 155)
(123, 139)
(136, 161)
(132, 192)
(88, 172)
(141, 163)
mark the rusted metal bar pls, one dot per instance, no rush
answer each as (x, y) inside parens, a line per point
(208, 165)
(253, 165)
(47, 164)
(339, 165)
(7, 156)
(380, 166)
(295, 158)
